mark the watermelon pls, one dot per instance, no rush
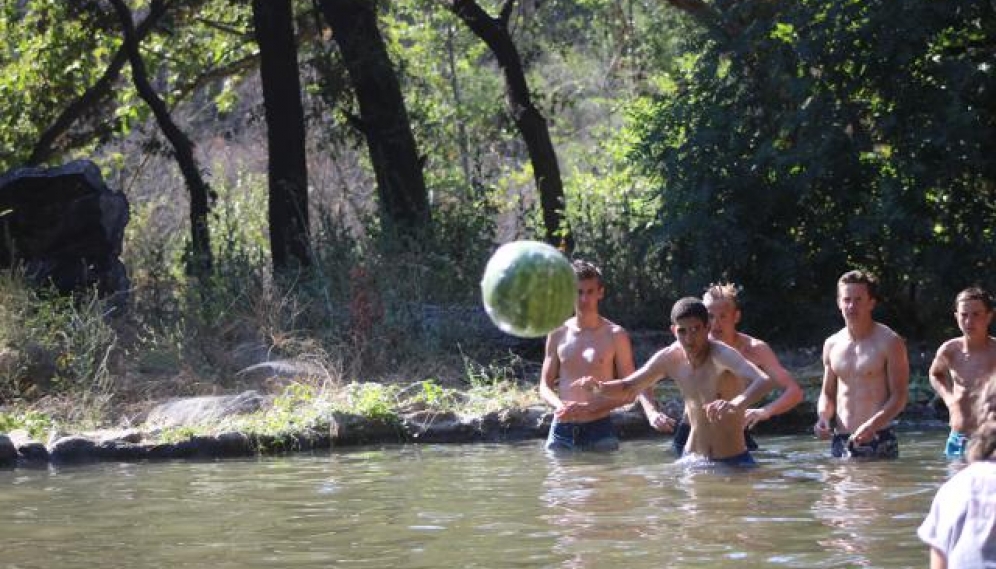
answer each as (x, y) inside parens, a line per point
(528, 288)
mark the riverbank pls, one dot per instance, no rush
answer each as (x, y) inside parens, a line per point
(201, 437)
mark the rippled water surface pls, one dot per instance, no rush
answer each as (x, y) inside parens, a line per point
(477, 506)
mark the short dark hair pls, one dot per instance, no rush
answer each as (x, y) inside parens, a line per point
(584, 270)
(975, 293)
(858, 276)
(689, 307)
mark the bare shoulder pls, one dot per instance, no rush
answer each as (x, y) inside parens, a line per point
(952, 346)
(755, 345)
(839, 337)
(888, 335)
(556, 336)
(666, 354)
(616, 330)
(724, 353)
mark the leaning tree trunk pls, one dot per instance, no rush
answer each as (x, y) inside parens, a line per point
(528, 119)
(288, 170)
(383, 117)
(93, 95)
(200, 194)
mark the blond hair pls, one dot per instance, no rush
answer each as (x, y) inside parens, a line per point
(721, 291)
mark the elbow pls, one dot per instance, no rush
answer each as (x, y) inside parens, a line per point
(795, 395)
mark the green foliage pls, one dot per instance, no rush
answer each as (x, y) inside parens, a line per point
(54, 346)
(373, 400)
(36, 423)
(820, 137)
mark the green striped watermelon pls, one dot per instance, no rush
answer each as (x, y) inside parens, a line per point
(528, 288)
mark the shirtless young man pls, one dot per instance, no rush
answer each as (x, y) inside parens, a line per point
(710, 376)
(586, 345)
(963, 366)
(865, 376)
(724, 315)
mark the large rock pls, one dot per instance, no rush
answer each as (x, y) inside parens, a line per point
(65, 227)
(201, 410)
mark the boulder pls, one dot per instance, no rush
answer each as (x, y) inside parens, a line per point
(65, 227)
(8, 452)
(27, 447)
(200, 410)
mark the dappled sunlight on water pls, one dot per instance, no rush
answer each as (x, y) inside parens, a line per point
(479, 506)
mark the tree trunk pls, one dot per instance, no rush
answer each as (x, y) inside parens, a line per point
(273, 21)
(383, 117)
(530, 122)
(200, 194)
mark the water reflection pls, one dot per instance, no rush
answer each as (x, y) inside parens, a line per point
(478, 506)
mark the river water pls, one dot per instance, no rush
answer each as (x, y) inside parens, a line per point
(482, 505)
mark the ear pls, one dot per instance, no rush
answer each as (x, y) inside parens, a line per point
(736, 316)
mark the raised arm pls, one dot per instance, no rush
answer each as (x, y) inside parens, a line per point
(632, 385)
(765, 358)
(826, 407)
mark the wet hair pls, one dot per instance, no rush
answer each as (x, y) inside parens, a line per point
(975, 293)
(860, 277)
(584, 270)
(983, 443)
(723, 291)
(689, 307)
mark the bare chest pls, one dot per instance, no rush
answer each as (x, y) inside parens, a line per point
(972, 369)
(854, 362)
(707, 382)
(587, 352)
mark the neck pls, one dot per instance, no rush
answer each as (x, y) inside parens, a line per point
(588, 321)
(730, 339)
(860, 330)
(976, 342)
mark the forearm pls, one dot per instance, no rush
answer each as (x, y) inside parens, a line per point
(549, 396)
(941, 383)
(786, 401)
(826, 408)
(754, 392)
(892, 408)
(647, 402)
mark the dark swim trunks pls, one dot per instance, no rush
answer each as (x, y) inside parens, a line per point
(884, 445)
(594, 435)
(742, 460)
(683, 429)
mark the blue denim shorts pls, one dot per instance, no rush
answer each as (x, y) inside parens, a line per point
(594, 435)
